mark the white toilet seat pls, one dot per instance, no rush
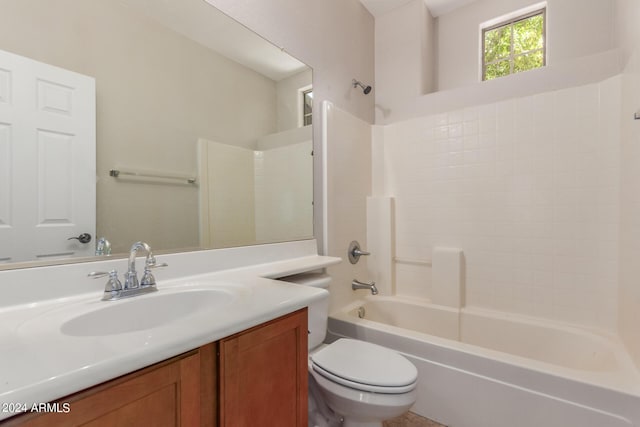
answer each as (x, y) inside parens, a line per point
(361, 386)
(364, 366)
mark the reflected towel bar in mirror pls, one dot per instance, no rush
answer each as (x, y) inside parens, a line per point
(154, 176)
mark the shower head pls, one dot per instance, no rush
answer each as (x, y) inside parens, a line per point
(365, 89)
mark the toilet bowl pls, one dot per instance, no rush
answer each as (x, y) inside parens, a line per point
(364, 383)
(361, 383)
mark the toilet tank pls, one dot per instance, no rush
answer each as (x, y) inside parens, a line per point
(318, 310)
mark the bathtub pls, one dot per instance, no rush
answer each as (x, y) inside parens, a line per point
(479, 368)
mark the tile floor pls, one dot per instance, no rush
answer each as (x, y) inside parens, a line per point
(411, 420)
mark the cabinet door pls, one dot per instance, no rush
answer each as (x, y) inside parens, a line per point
(263, 375)
(167, 394)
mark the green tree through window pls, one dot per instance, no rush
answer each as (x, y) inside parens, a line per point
(513, 46)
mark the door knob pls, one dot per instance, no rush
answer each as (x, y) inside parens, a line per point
(83, 238)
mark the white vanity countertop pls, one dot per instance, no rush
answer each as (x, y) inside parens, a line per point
(41, 364)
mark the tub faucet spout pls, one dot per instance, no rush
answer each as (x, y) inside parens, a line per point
(356, 284)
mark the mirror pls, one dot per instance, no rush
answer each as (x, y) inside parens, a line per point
(202, 129)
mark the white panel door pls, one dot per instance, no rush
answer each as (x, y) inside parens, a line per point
(47, 160)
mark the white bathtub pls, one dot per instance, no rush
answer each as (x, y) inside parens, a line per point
(481, 368)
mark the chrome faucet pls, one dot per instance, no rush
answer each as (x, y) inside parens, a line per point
(103, 247)
(356, 284)
(131, 276)
(115, 291)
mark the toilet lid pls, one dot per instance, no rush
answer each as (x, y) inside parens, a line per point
(362, 363)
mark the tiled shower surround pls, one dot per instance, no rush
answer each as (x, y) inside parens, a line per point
(528, 188)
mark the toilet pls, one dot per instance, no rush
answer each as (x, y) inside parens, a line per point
(363, 384)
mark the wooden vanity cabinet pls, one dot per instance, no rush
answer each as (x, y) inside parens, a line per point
(177, 392)
(263, 375)
(255, 378)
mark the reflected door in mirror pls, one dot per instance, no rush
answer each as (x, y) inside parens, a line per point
(47, 160)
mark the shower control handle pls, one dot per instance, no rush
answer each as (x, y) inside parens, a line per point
(358, 252)
(355, 252)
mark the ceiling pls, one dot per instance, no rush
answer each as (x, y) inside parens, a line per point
(208, 26)
(436, 7)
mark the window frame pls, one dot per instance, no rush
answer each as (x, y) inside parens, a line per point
(510, 21)
(301, 95)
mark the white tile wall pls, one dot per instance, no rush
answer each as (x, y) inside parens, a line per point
(529, 188)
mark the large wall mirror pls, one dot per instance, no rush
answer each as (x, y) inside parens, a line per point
(200, 135)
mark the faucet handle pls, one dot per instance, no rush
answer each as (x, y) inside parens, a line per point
(147, 277)
(154, 264)
(112, 285)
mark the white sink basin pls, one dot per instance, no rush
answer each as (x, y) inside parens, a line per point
(145, 312)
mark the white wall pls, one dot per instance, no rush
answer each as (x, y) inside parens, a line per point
(405, 54)
(627, 30)
(348, 183)
(575, 28)
(528, 188)
(628, 16)
(284, 138)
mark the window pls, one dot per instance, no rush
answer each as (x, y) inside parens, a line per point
(514, 45)
(307, 106)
